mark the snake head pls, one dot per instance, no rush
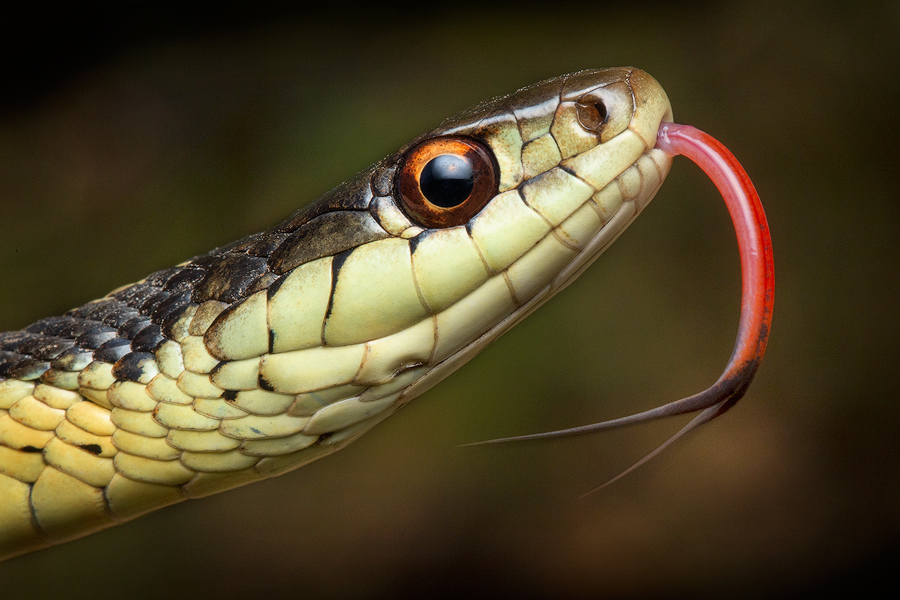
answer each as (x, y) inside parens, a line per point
(570, 162)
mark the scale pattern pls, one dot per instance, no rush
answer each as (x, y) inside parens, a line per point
(266, 354)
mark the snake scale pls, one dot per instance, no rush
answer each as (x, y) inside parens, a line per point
(263, 355)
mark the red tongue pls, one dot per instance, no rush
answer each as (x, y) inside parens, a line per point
(754, 242)
(757, 291)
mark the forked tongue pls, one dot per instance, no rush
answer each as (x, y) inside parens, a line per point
(757, 293)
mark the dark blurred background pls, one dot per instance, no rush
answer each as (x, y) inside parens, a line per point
(133, 138)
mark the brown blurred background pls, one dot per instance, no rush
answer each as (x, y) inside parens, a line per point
(135, 138)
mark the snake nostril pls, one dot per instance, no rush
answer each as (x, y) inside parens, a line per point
(592, 113)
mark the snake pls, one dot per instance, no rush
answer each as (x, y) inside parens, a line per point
(263, 355)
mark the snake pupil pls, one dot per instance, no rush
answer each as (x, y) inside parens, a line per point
(447, 180)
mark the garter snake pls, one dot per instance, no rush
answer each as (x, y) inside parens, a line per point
(271, 352)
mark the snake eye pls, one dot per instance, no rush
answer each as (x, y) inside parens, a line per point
(445, 181)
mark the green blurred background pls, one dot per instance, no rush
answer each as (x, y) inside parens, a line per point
(135, 138)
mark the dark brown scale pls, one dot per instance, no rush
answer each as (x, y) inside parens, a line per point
(185, 280)
(28, 369)
(121, 316)
(204, 261)
(134, 295)
(112, 350)
(49, 326)
(228, 278)
(256, 245)
(354, 195)
(94, 339)
(74, 327)
(45, 348)
(167, 324)
(262, 283)
(73, 359)
(383, 179)
(94, 328)
(231, 248)
(9, 360)
(161, 277)
(132, 327)
(171, 308)
(97, 311)
(11, 341)
(264, 247)
(149, 306)
(326, 235)
(539, 98)
(131, 367)
(148, 340)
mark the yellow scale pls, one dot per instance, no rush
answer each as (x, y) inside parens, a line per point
(346, 339)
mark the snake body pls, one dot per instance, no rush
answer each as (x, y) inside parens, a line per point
(271, 352)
